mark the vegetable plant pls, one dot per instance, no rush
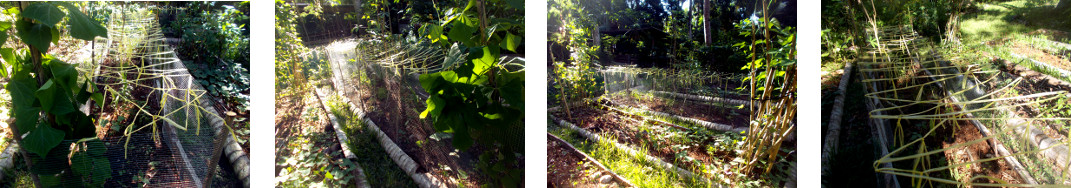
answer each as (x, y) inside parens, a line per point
(46, 95)
(481, 99)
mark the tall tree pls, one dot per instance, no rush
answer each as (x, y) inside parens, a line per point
(357, 11)
(706, 23)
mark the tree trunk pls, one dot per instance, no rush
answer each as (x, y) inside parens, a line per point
(1063, 5)
(707, 39)
(597, 36)
(357, 10)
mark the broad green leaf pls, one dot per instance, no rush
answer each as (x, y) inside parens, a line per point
(9, 56)
(3, 35)
(513, 92)
(4, 25)
(430, 81)
(64, 74)
(99, 98)
(461, 32)
(46, 94)
(511, 42)
(9, 59)
(12, 11)
(55, 35)
(45, 13)
(82, 163)
(102, 170)
(22, 97)
(482, 58)
(445, 120)
(452, 77)
(462, 140)
(435, 107)
(83, 27)
(54, 99)
(433, 32)
(37, 35)
(42, 139)
(26, 118)
(468, 6)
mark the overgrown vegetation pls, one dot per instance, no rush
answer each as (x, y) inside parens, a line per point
(81, 76)
(731, 60)
(46, 95)
(215, 46)
(1006, 50)
(460, 62)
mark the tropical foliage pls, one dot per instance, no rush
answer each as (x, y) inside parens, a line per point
(46, 94)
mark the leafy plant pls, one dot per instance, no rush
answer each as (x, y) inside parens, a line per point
(481, 99)
(46, 95)
(216, 46)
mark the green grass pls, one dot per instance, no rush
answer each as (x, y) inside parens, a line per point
(379, 169)
(1002, 19)
(631, 167)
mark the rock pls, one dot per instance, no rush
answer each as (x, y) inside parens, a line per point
(595, 175)
(606, 179)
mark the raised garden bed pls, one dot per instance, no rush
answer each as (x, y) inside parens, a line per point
(705, 152)
(568, 167)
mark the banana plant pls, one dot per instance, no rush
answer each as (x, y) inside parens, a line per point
(46, 95)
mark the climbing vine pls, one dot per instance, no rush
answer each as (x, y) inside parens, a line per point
(482, 99)
(46, 95)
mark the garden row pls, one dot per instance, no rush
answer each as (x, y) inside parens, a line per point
(688, 140)
(922, 106)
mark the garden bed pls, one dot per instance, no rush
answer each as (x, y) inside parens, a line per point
(701, 149)
(568, 167)
(922, 101)
(394, 105)
(725, 114)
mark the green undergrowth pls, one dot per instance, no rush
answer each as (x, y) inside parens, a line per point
(991, 30)
(1000, 19)
(632, 167)
(379, 169)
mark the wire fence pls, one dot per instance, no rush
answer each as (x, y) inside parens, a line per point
(938, 122)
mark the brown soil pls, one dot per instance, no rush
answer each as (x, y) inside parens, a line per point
(142, 157)
(1041, 56)
(567, 168)
(966, 132)
(686, 108)
(397, 113)
(1053, 34)
(626, 130)
(1035, 82)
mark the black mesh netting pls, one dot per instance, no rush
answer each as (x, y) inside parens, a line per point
(158, 123)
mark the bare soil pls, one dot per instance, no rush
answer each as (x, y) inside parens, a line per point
(966, 132)
(142, 158)
(1041, 56)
